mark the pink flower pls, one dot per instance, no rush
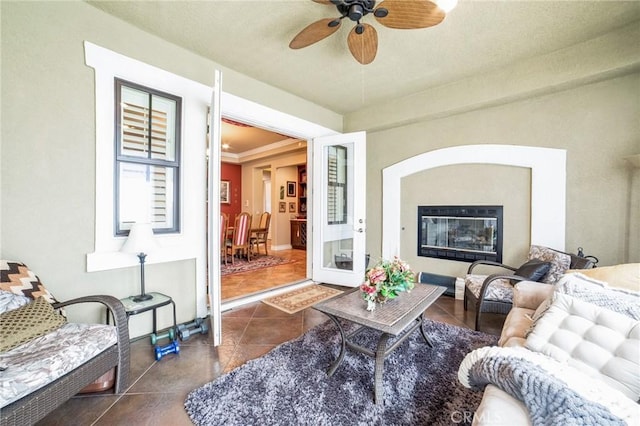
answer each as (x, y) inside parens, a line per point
(377, 274)
(367, 289)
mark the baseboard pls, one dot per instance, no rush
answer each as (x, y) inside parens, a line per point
(440, 280)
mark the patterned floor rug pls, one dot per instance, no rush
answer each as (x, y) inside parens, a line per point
(297, 300)
(289, 385)
(242, 265)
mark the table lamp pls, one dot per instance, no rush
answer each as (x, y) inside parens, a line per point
(140, 242)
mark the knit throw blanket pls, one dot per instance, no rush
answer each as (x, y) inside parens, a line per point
(553, 393)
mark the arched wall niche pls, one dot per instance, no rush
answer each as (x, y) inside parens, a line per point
(548, 187)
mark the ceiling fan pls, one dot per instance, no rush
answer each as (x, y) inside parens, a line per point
(363, 38)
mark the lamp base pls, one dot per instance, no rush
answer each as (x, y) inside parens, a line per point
(142, 298)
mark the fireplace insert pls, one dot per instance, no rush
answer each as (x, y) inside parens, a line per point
(462, 233)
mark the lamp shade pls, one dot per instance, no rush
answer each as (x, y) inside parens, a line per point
(140, 240)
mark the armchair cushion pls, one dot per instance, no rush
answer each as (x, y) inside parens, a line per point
(500, 289)
(559, 262)
(27, 322)
(42, 360)
(532, 270)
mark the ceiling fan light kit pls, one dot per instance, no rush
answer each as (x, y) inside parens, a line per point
(363, 38)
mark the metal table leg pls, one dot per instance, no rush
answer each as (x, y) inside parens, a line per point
(338, 361)
(426, 339)
(381, 354)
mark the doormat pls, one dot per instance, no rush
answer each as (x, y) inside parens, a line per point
(299, 299)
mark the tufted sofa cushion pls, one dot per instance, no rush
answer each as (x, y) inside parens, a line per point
(598, 341)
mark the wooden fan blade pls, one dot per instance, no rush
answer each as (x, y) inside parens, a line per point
(314, 33)
(327, 2)
(363, 46)
(409, 14)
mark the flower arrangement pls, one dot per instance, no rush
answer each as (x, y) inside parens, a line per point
(386, 280)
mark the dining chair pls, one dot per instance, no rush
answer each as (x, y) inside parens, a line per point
(260, 234)
(223, 236)
(240, 236)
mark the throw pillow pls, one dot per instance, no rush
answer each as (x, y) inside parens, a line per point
(598, 341)
(599, 293)
(28, 322)
(559, 261)
(17, 278)
(539, 312)
(532, 270)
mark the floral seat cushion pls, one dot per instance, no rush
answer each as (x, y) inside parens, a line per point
(499, 290)
(44, 359)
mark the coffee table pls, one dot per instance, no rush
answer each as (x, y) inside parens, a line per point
(398, 318)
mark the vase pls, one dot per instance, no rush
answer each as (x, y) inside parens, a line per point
(379, 300)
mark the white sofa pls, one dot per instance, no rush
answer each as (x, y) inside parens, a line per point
(569, 329)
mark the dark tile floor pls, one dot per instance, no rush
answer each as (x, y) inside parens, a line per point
(158, 388)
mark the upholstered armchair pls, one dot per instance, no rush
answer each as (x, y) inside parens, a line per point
(494, 293)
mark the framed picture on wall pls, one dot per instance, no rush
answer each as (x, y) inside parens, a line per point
(291, 189)
(225, 197)
(292, 207)
(282, 207)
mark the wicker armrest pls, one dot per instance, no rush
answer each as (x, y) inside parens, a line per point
(120, 321)
(530, 294)
(489, 263)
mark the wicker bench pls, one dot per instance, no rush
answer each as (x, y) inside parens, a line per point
(36, 405)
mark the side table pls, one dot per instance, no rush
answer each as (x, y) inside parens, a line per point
(157, 301)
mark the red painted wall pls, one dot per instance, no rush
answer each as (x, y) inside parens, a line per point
(232, 173)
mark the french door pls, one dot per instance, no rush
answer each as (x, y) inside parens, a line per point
(339, 209)
(213, 212)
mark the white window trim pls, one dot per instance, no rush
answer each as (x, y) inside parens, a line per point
(190, 242)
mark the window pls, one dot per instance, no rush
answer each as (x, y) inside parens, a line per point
(147, 158)
(337, 185)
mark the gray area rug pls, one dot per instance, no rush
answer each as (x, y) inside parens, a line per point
(289, 385)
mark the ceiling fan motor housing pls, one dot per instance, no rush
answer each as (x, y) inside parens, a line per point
(354, 9)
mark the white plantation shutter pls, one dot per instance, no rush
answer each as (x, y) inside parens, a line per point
(336, 185)
(147, 153)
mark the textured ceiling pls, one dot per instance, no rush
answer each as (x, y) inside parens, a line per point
(252, 37)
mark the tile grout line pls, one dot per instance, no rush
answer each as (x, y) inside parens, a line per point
(123, 394)
(237, 344)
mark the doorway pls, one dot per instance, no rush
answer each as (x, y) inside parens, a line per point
(263, 171)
